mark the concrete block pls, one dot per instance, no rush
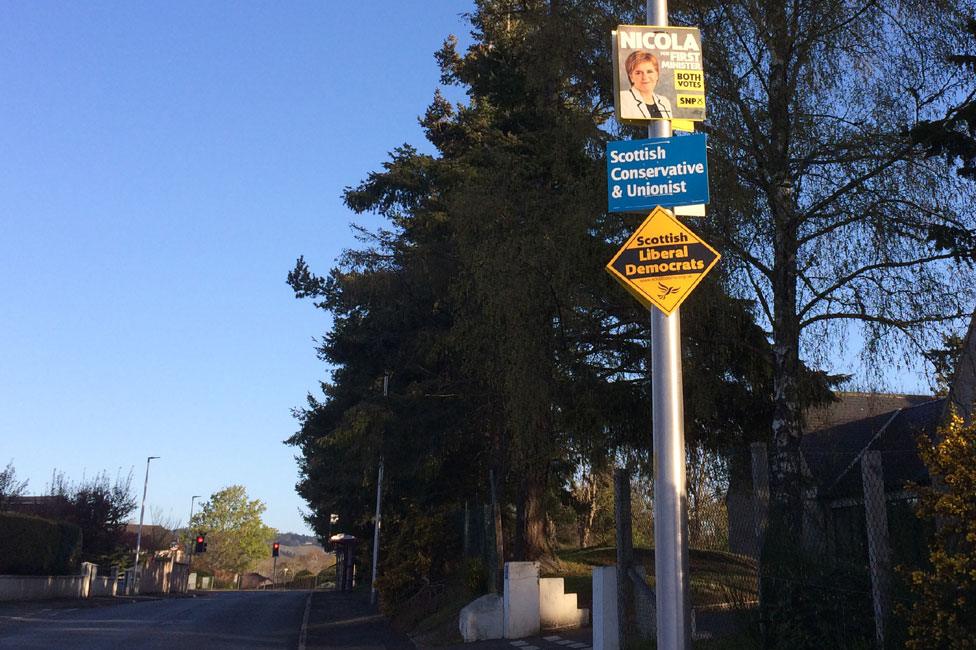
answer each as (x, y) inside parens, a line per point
(605, 633)
(521, 600)
(557, 609)
(482, 619)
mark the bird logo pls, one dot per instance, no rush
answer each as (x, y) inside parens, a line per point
(666, 290)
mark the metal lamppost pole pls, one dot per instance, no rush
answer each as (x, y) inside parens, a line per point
(142, 512)
(190, 538)
(670, 487)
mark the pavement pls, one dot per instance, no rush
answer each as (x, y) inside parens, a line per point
(339, 619)
(345, 620)
(579, 639)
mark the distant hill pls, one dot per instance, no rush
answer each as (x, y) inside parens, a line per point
(297, 552)
(294, 539)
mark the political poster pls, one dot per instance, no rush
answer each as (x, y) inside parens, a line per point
(645, 173)
(662, 262)
(658, 73)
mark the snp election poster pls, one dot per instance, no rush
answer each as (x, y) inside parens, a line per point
(658, 73)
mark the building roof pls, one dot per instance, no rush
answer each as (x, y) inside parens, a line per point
(832, 454)
(51, 506)
(850, 406)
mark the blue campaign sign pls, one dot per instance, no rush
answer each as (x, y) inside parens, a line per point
(642, 174)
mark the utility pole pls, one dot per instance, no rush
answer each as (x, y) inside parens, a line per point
(142, 511)
(670, 487)
(377, 523)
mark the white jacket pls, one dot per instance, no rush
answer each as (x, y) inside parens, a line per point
(633, 107)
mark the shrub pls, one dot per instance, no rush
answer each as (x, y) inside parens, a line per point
(34, 546)
(944, 611)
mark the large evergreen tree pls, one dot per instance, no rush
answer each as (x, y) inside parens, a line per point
(506, 345)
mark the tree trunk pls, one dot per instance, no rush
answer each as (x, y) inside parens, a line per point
(530, 534)
(587, 493)
(785, 517)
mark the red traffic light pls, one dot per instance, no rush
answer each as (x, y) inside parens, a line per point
(274, 549)
(199, 539)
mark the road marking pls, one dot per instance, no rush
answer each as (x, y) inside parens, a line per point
(519, 644)
(304, 633)
(551, 638)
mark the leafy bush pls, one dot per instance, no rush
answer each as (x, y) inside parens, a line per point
(423, 550)
(476, 578)
(815, 601)
(34, 546)
(944, 611)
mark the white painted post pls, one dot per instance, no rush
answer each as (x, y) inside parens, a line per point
(520, 601)
(605, 608)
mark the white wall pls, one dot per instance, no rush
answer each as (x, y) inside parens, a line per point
(42, 587)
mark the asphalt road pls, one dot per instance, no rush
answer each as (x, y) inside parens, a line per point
(256, 619)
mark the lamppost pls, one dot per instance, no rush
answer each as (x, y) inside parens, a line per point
(189, 523)
(142, 512)
(189, 543)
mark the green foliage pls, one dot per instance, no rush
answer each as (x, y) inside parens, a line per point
(35, 546)
(100, 506)
(9, 485)
(236, 537)
(943, 362)
(421, 550)
(954, 136)
(813, 601)
(944, 611)
(475, 576)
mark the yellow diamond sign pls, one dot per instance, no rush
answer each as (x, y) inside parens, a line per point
(662, 262)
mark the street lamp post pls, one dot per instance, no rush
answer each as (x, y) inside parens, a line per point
(189, 543)
(189, 522)
(142, 511)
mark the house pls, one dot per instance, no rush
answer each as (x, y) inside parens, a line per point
(835, 517)
(255, 580)
(154, 538)
(836, 436)
(835, 521)
(49, 507)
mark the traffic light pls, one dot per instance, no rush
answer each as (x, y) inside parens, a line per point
(201, 546)
(274, 549)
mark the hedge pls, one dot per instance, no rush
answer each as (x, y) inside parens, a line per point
(33, 546)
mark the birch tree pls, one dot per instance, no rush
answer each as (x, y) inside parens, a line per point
(831, 214)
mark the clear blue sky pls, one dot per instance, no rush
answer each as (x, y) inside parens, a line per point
(162, 165)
